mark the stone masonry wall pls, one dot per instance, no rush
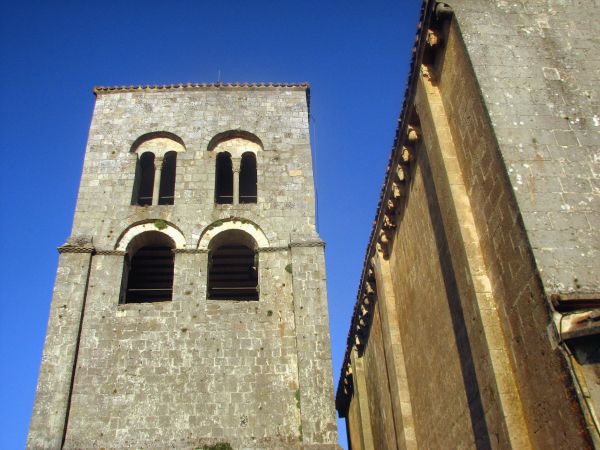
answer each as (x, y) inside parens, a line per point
(192, 371)
(377, 384)
(49, 416)
(538, 66)
(353, 425)
(431, 348)
(492, 211)
(279, 117)
(506, 249)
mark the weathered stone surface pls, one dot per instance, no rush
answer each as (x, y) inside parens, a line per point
(493, 246)
(537, 63)
(191, 371)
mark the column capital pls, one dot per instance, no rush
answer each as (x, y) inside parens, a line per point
(235, 164)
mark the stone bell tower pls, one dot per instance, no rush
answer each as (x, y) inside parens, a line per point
(190, 304)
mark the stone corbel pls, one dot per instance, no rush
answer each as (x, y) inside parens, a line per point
(363, 311)
(407, 154)
(388, 222)
(401, 173)
(443, 10)
(370, 288)
(427, 73)
(370, 274)
(382, 244)
(413, 134)
(433, 38)
(396, 191)
(390, 206)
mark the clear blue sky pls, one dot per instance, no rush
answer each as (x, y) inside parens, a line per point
(354, 53)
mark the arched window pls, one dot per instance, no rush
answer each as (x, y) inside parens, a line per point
(237, 175)
(167, 179)
(144, 179)
(157, 164)
(248, 178)
(149, 268)
(233, 267)
(224, 179)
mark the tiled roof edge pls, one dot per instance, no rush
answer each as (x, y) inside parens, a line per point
(195, 86)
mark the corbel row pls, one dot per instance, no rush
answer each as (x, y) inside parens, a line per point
(347, 381)
(391, 207)
(425, 53)
(360, 327)
(364, 316)
(435, 39)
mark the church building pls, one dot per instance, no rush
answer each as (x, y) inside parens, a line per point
(190, 309)
(477, 320)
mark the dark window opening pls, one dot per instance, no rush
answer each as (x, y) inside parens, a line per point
(145, 182)
(248, 178)
(149, 277)
(167, 179)
(233, 273)
(224, 179)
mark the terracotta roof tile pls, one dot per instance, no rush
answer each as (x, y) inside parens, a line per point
(197, 86)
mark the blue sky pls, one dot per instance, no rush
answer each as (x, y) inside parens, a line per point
(355, 55)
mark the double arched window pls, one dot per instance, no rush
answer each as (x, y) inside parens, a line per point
(226, 178)
(156, 167)
(233, 262)
(236, 176)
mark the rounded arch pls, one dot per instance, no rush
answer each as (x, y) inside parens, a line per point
(129, 241)
(242, 225)
(233, 134)
(248, 179)
(149, 268)
(235, 235)
(158, 142)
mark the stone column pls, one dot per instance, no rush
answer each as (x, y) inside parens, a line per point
(235, 165)
(51, 407)
(158, 163)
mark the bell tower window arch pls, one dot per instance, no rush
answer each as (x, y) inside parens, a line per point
(236, 171)
(233, 267)
(156, 168)
(149, 269)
